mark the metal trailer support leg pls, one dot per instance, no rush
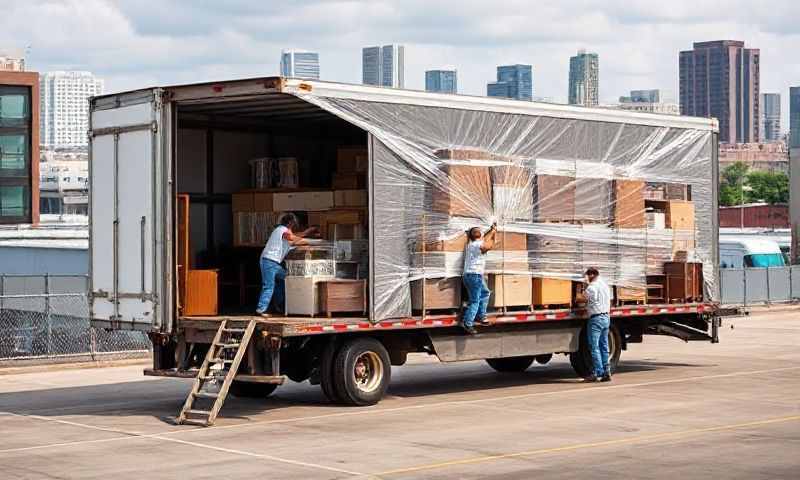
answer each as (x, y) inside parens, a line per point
(275, 355)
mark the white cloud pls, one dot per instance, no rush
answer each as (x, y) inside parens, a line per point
(133, 43)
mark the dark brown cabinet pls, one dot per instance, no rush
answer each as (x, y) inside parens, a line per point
(684, 281)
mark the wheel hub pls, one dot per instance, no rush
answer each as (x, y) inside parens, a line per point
(368, 371)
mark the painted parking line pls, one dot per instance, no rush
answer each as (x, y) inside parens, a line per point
(582, 446)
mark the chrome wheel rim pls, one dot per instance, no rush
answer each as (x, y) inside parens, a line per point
(368, 372)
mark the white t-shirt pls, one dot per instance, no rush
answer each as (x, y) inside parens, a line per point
(277, 247)
(598, 297)
(474, 259)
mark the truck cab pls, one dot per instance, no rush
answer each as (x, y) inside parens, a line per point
(750, 253)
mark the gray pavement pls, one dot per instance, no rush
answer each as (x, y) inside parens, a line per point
(674, 410)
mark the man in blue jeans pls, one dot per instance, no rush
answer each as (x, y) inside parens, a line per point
(280, 242)
(598, 306)
(474, 265)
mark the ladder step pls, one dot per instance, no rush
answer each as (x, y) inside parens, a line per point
(206, 395)
(233, 330)
(228, 345)
(222, 360)
(209, 378)
(198, 412)
(199, 423)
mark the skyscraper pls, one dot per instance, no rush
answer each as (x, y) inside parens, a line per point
(444, 81)
(513, 81)
(300, 64)
(584, 77)
(383, 66)
(64, 100)
(770, 108)
(642, 96)
(794, 117)
(721, 79)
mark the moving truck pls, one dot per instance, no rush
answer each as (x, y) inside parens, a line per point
(186, 182)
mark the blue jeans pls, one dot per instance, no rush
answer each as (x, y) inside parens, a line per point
(597, 331)
(272, 285)
(478, 294)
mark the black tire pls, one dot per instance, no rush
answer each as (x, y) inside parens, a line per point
(544, 358)
(510, 364)
(251, 389)
(326, 372)
(581, 360)
(368, 359)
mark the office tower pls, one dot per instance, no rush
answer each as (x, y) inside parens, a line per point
(794, 117)
(513, 81)
(647, 101)
(300, 64)
(720, 79)
(584, 77)
(770, 109)
(64, 100)
(383, 66)
(443, 81)
(642, 96)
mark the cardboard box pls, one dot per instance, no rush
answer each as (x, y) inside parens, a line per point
(343, 296)
(511, 241)
(349, 181)
(512, 176)
(554, 198)
(513, 203)
(439, 293)
(551, 291)
(453, 244)
(262, 202)
(349, 198)
(303, 201)
(242, 202)
(467, 191)
(593, 200)
(629, 206)
(509, 290)
(351, 159)
(302, 295)
(346, 224)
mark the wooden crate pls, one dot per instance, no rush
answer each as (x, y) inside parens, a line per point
(629, 204)
(509, 290)
(202, 292)
(630, 294)
(553, 198)
(684, 282)
(440, 293)
(343, 296)
(551, 291)
(467, 191)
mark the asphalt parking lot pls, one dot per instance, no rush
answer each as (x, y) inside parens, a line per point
(674, 410)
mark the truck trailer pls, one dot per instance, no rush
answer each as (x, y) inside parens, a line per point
(187, 180)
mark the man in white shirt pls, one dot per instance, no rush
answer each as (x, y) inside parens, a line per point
(280, 242)
(474, 265)
(598, 306)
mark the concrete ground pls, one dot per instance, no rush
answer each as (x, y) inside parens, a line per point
(674, 410)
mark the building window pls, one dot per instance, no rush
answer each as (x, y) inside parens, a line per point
(14, 203)
(15, 154)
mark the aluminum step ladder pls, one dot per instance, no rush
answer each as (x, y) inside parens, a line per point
(219, 368)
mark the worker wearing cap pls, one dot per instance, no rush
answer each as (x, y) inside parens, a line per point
(598, 306)
(478, 245)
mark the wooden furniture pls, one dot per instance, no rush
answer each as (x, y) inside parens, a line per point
(509, 290)
(679, 214)
(553, 198)
(593, 200)
(656, 288)
(551, 291)
(629, 204)
(630, 295)
(440, 293)
(578, 293)
(184, 251)
(201, 293)
(684, 281)
(342, 295)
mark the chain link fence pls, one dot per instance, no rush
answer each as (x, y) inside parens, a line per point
(753, 286)
(45, 318)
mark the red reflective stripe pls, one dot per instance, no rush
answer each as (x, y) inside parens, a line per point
(521, 317)
(409, 323)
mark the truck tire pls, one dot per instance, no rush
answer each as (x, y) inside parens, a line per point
(544, 358)
(326, 381)
(251, 390)
(581, 360)
(362, 371)
(510, 364)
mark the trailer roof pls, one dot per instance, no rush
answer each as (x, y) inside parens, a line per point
(302, 87)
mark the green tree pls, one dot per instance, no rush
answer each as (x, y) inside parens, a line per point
(767, 187)
(731, 183)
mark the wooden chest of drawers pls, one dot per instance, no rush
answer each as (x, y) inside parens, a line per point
(684, 281)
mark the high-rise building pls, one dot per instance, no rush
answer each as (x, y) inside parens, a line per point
(443, 81)
(642, 96)
(513, 81)
(300, 64)
(584, 78)
(64, 99)
(770, 108)
(19, 147)
(383, 66)
(720, 79)
(794, 117)
(12, 64)
(647, 101)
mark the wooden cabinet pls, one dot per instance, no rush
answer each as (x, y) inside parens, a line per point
(553, 198)
(509, 290)
(201, 293)
(184, 249)
(439, 293)
(631, 295)
(629, 207)
(340, 296)
(678, 214)
(684, 281)
(551, 291)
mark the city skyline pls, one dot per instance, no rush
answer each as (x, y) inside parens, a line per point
(638, 45)
(300, 64)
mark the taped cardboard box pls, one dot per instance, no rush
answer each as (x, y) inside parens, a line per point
(303, 201)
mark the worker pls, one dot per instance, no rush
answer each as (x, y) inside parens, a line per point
(280, 242)
(478, 244)
(598, 306)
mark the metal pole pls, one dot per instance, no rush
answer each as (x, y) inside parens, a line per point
(768, 292)
(47, 311)
(744, 287)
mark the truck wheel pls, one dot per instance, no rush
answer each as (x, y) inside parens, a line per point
(582, 359)
(361, 371)
(251, 390)
(326, 372)
(543, 359)
(510, 364)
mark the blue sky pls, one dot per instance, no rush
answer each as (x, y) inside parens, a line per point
(135, 43)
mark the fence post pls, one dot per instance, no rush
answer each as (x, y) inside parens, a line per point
(47, 312)
(768, 292)
(744, 287)
(2, 289)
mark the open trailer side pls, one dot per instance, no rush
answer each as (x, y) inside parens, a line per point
(153, 149)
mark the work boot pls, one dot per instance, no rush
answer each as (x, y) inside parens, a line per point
(606, 377)
(591, 379)
(470, 329)
(483, 322)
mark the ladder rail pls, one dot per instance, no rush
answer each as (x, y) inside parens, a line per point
(232, 371)
(203, 372)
